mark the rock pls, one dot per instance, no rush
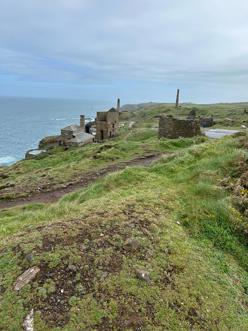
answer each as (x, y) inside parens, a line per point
(243, 127)
(131, 244)
(143, 275)
(25, 278)
(72, 267)
(28, 323)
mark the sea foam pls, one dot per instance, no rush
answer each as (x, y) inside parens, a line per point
(7, 160)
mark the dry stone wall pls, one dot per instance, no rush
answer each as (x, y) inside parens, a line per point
(170, 127)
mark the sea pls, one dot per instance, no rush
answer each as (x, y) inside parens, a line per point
(25, 121)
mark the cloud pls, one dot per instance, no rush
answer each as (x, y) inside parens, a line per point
(104, 42)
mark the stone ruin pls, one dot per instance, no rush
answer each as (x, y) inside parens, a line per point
(205, 122)
(107, 124)
(192, 114)
(72, 135)
(104, 127)
(172, 128)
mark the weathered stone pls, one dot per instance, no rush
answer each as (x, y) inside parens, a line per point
(143, 275)
(107, 124)
(206, 122)
(49, 142)
(170, 127)
(72, 135)
(25, 278)
(28, 323)
(72, 267)
(192, 114)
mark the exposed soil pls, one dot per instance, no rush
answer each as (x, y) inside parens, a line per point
(100, 253)
(88, 178)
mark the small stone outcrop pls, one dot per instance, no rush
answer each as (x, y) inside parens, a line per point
(172, 128)
(143, 275)
(25, 278)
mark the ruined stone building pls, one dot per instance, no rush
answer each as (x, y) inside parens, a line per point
(206, 122)
(192, 114)
(107, 124)
(170, 127)
(72, 135)
(75, 135)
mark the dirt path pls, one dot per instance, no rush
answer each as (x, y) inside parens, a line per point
(86, 180)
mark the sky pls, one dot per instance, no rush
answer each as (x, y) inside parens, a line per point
(138, 50)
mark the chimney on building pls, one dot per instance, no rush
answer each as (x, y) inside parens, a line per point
(118, 108)
(177, 100)
(82, 121)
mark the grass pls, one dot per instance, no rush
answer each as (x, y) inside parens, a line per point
(180, 220)
(185, 231)
(63, 167)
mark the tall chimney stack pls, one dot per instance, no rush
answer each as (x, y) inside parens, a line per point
(177, 100)
(118, 105)
(82, 121)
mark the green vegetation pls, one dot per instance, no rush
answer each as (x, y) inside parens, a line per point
(225, 115)
(175, 219)
(63, 167)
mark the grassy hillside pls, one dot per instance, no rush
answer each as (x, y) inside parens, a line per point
(65, 167)
(225, 115)
(162, 247)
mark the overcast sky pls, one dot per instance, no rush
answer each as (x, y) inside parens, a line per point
(139, 50)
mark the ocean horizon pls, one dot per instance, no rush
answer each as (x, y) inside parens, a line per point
(25, 121)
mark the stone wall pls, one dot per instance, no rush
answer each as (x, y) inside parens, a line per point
(207, 122)
(50, 142)
(170, 127)
(106, 124)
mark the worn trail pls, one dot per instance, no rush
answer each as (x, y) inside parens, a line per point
(86, 180)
